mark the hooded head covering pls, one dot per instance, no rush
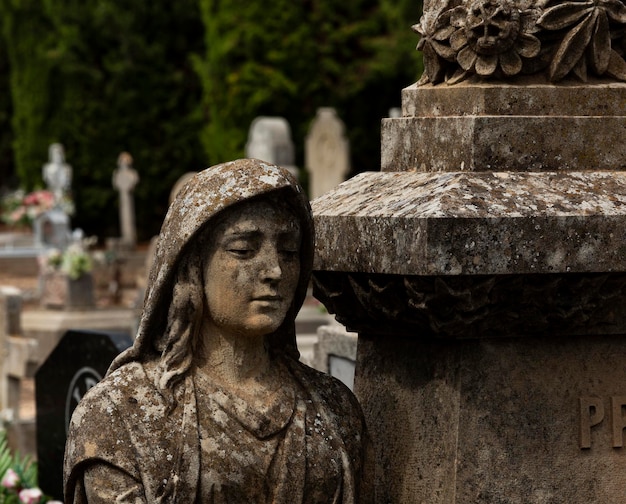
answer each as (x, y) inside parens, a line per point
(206, 195)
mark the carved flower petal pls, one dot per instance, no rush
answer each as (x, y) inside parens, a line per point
(580, 69)
(458, 16)
(445, 51)
(510, 62)
(444, 32)
(458, 40)
(459, 75)
(564, 15)
(466, 58)
(617, 66)
(528, 20)
(433, 67)
(615, 9)
(572, 47)
(600, 48)
(528, 46)
(486, 64)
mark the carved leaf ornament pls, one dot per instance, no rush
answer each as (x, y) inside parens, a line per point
(504, 38)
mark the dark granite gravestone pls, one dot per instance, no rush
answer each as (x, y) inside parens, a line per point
(78, 362)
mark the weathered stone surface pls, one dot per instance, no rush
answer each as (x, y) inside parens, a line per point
(502, 39)
(473, 223)
(525, 97)
(210, 404)
(475, 306)
(495, 421)
(533, 127)
(497, 143)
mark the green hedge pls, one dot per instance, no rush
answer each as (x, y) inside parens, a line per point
(177, 85)
(286, 58)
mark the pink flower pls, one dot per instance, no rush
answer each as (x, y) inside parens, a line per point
(10, 479)
(30, 496)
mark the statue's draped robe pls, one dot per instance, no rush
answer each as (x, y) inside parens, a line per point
(126, 445)
(130, 441)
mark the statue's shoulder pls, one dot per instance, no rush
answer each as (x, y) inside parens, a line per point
(118, 390)
(332, 391)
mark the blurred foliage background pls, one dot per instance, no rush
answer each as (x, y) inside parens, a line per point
(177, 85)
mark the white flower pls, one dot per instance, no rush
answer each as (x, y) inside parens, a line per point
(10, 479)
(30, 495)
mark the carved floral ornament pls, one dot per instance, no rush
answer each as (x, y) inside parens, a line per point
(505, 38)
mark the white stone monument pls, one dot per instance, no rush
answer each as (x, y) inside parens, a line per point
(327, 152)
(125, 178)
(57, 174)
(269, 139)
(52, 228)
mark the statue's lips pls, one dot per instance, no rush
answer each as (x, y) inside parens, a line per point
(268, 298)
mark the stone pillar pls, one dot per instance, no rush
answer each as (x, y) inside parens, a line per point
(484, 267)
(10, 325)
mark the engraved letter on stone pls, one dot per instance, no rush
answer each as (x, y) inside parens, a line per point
(591, 413)
(619, 422)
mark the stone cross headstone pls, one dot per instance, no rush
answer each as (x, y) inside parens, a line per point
(327, 152)
(269, 139)
(57, 174)
(78, 362)
(125, 178)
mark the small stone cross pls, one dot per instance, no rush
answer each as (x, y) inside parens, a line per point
(125, 178)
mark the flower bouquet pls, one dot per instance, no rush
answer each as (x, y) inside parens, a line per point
(19, 478)
(20, 209)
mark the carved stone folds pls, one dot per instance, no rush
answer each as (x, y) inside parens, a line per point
(481, 306)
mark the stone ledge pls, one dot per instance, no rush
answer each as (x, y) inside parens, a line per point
(473, 223)
(499, 143)
(534, 99)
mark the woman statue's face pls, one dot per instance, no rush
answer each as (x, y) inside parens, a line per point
(252, 269)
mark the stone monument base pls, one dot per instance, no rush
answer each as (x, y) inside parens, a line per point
(521, 420)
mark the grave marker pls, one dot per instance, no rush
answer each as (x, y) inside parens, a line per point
(327, 152)
(125, 178)
(77, 363)
(269, 140)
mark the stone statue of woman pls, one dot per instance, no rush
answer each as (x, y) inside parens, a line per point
(211, 404)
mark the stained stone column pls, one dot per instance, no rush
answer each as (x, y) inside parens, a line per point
(484, 269)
